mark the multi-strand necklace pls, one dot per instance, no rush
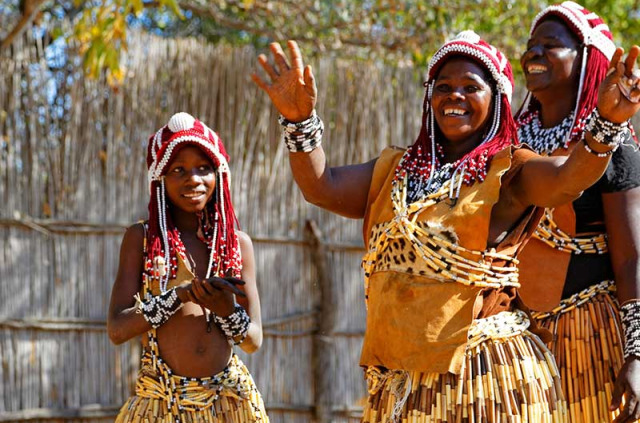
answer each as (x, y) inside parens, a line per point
(414, 175)
(545, 141)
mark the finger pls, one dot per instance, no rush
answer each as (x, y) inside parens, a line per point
(635, 413)
(631, 60)
(279, 57)
(198, 291)
(296, 56)
(207, 288)
(309, 81)
(617, 55)
(191, 297)
(262, 59)
(259, 82)
(226, 286)
(616, 397)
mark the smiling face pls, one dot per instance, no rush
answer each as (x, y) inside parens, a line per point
(550, 63)
(190, 179)
(462, 100)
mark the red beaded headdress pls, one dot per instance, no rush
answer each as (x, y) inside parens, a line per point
(217, 221)
(501, 133)
(598, 49)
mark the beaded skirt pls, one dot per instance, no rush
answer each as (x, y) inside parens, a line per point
(227, 397)
(587, 344)
(508, 376)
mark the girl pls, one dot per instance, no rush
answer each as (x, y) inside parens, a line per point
(178, 279)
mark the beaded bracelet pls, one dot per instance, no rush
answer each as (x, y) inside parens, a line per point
(595, 153)
(303, 136)
(234, 326)
(630, 316)
(606, 132)
(157, 310)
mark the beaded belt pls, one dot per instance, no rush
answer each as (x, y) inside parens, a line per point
(502, 325)
(191, 393)
(549, 233)
(576, 300)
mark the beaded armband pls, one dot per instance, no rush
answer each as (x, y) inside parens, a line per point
(303, 136)
(157, 310)
(630, 315)
(606, 133)
(235, 326)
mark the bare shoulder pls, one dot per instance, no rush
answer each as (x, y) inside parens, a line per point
(244, 241)
(133, 240)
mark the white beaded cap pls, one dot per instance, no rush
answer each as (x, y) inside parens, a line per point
(181, 122)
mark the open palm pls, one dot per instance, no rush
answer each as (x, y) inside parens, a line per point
(292, 89)
(619, 93)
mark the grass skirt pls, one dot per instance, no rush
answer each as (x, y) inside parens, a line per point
(587, 343)
(227, 397)
(508, 376)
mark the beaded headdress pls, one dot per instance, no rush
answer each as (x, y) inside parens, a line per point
(217, 221)
(501, 132)
(597, 51)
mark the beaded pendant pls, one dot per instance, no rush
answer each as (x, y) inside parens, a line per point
(545, 141)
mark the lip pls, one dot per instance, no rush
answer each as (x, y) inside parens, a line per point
(194, 197)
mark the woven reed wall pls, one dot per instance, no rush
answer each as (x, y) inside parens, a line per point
(72, 177)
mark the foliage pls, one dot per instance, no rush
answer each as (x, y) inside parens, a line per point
(401, 32)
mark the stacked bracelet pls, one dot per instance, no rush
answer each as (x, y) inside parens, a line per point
(303, 136)
(235, 326)
(157, 310)
(630, 315)
(606, 132)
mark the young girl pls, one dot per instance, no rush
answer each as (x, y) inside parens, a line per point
(179, 277)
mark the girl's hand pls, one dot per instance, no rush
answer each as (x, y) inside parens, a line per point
(216, 294)
(619, 92)
(293, 88)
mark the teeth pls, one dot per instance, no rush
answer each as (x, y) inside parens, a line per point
(193, 195)
(536, 69)
(454, 112)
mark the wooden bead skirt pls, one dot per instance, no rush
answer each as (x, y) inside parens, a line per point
(227, 397)
(587, 343)
(508, 376)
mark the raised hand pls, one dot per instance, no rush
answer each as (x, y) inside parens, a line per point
(619, 93)
(293, 88)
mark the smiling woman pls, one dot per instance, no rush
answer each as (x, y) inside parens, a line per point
(447, 339)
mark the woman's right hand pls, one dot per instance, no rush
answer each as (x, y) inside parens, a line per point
(292, 89)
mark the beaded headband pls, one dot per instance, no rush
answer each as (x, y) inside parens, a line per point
(468, 43)
(591, 29)
(183, 128)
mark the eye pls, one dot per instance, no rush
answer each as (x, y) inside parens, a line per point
(177, 169)
(205, 167)
(472, 89)
(443, 88)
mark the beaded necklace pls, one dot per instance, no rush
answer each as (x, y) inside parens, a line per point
(545, 141)
(418, 176)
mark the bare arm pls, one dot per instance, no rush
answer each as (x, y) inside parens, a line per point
(552, 181)
(342, 190)
(251, 303)
(123, 321)
(622, 219)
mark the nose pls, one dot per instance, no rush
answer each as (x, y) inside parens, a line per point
(533, 51)
(194, 177)
(456, 94)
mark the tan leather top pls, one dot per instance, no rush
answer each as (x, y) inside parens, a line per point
(416, 320)
(543, 269)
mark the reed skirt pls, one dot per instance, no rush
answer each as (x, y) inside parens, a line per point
(508, 375)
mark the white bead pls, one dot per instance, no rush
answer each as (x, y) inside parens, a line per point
(181, 122)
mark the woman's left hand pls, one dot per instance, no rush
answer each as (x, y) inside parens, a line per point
(216, 294)
(627, 384)
(619, 92)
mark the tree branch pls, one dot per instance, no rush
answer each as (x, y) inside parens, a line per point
(30, 11)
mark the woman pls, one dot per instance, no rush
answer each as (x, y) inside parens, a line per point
(581, 247)
(446, 339)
